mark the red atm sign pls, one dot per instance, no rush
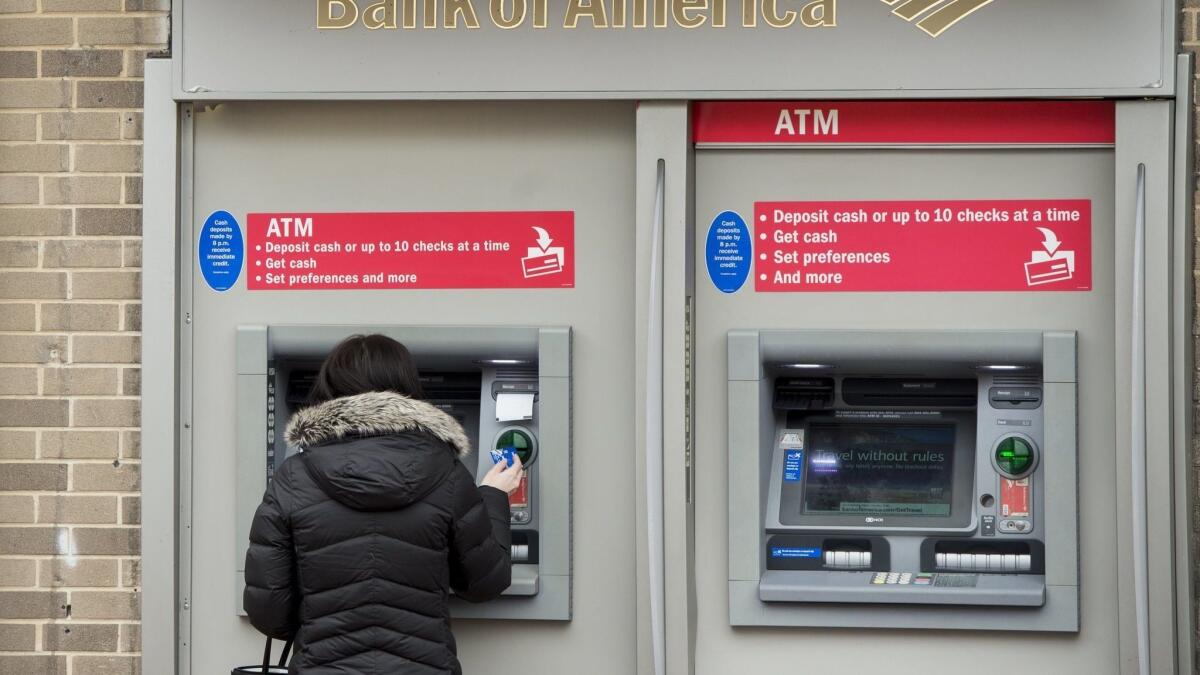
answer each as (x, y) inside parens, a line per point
(876, 123)
(410, 250)
(948, 245)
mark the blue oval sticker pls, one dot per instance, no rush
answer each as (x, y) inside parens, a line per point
(221, 251)
(728, 251)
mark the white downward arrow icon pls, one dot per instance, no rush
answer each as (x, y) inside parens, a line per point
(544, 239)
(1051, 242)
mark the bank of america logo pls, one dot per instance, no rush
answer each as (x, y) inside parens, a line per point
(935, 16)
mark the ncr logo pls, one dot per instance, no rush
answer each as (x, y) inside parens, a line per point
(935, 16)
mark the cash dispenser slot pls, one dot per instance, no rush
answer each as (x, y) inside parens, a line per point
(909, 392)
(1026, 556)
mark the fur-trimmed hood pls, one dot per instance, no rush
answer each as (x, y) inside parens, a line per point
(376, 452)
(379, 413)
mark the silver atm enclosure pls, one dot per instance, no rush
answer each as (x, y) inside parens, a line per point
(508, 386)
(907, 479)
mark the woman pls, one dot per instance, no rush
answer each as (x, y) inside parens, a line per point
(361, 537)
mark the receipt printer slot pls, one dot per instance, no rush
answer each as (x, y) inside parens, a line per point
(1018, 398)
(504, 387)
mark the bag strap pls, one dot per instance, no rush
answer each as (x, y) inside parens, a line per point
(287, 648)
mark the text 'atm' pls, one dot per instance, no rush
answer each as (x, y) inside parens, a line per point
(509, 388)
(906, 479)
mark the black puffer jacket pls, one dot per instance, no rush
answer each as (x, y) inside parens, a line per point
(360, 538)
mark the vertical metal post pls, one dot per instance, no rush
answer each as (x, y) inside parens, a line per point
(1183, 307)
(654, 431)
(1137, 429)
(160, 630)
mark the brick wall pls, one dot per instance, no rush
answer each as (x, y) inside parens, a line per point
(70, 253)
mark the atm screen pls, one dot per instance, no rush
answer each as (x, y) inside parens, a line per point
(879, 469)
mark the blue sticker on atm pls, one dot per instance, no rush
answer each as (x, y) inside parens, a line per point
(786, 552)
(728, 251)
(793, 463)
(221, 251)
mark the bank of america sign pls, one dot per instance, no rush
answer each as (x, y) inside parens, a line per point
(935, 16)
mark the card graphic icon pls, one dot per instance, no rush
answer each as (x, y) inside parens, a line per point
(538, 264)
(1047, 271)
(1051, 264)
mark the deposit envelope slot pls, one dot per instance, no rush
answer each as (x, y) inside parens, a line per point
(491, 380)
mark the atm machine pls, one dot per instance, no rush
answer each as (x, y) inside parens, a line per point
(940, 474)
(931, 453)
(508, 386)
(508, 355)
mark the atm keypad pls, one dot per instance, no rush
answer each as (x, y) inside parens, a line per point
(924, 579)
(900, 579)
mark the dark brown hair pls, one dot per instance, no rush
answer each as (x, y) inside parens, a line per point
(363, 363)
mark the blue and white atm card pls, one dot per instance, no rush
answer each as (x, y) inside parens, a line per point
(506, 454)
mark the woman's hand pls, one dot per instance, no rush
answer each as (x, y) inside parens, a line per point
(503, 477)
